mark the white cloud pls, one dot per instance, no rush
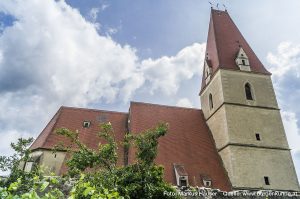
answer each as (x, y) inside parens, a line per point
(93, 14)
(53, 56)
(292, 130)
(285, 67)
(166, 73)
(293, 136)
(112, 31)
(286, 59)
(104, 6)
(184, 102)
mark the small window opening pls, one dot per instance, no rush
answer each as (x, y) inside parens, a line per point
(211, 104)
(54, 155)
(257, 136)
(183, 182)
(248, 92)
(86, 124)
(207, 183)
(242, 55)
(243, 62)
(267, 181)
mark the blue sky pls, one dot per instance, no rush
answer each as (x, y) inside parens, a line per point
(103, 54)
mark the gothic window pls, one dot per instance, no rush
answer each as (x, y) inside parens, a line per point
(248, 92)
(211, 104)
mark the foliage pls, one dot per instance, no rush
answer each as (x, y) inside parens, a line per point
(89, 187)
(12, 164)
(92, 173)
(21, 153)
(42, 188)
(144, 179)
(141, 180)
(103, 158)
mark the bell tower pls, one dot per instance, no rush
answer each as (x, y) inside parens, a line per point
(240, 108)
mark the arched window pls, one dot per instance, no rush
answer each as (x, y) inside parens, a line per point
(248, 92)
(211, 104)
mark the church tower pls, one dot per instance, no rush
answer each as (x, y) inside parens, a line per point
(240, 108)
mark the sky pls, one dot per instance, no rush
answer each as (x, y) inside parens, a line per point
(103, 54)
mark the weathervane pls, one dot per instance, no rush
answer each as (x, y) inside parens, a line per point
(212, 5)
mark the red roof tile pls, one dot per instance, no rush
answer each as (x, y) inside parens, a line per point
(188, 143)
(223, 43)
(72, 118)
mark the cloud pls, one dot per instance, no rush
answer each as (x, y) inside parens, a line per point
(166, 73)
(292, 132)
(285, 67)
(93, 14)
(104, 6)
(286, 59)
(296, 157)
(291, 128)
(53, 56)
(112, 31)
(184, 102)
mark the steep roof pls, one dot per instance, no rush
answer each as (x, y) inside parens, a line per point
(188, 142)
(224, 41)
(73, 118)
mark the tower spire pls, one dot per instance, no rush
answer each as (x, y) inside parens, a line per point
(224, 42)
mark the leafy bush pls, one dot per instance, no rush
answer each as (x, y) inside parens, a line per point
(92, 173)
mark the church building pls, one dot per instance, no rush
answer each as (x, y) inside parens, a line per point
(235, 142)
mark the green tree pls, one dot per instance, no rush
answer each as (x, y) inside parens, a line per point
(93, 173)
(12, 164)
(143, 179)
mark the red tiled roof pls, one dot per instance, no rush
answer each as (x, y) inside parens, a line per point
(223, 43)
(188, 142)
(72, 118)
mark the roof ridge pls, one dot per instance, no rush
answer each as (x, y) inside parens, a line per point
(93, 110)
(166, 106)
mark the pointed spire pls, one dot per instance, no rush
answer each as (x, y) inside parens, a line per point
(223, 44)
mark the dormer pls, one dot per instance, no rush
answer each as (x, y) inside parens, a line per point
(182, 178)
(207, 70)
(242, 60)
